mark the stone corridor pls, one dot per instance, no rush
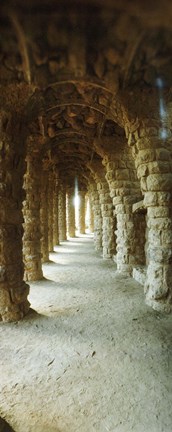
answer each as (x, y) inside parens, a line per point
(85, 215)
(86, 102)
(90, 356)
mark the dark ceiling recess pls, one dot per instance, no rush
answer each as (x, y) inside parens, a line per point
(83, 59)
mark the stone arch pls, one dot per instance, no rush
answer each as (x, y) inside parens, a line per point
(150, 142)
(124, 191)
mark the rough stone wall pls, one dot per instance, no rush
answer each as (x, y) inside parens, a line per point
(55, 209)
(139, 246)
(31, 212)
(90, 215)
(44, 216)
(154, 168)
(70, 212)
(50, 209)
(82, 209)
(108, 239)
(124, 191)
(62, 212)
(97, 215)
(13, 290)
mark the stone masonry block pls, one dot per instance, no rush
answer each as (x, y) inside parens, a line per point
(159, 167)
(122, 174)
(162, 154)
(158, 183)
(156, 212)
(142, 171)
(150, 199)
(144, 156)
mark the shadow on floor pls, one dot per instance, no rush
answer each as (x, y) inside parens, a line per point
(4, 426)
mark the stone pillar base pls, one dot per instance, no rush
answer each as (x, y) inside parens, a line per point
(12, 308)
(159, 305)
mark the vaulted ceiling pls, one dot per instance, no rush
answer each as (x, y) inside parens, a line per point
(78, 57)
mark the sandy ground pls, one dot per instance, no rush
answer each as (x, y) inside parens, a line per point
(91, 356)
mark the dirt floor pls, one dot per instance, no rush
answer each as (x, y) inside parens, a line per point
(90, 356)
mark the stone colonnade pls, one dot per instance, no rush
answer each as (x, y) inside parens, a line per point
(124, 191)
(153, 159)
(130, 197)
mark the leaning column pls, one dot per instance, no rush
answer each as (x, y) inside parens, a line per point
(31, 212)
(62, 212)
(81, 212)
(13, 290)
(55, 210)
(154, 165)
(44, 216)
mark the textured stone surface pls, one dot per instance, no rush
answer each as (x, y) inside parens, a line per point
(97, 215)
(55, 209)
(82, 211)
(156, 185)
(70, 207)
(31, 212)
(90, 216)
(92, 99)
(44, 217)
(13, 290)
(62, 212)
(50, 209)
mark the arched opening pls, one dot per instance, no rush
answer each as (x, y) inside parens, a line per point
(85, 93)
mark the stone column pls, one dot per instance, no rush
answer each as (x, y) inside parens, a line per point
(124, 191)
(31, 212)
(154, 167)
(50, 209)
(108, 240)
(90, 216)
(44, 217)
(71, 212)
(97, 215)
(81, 221)
(13, 290)
(140, 228)
(62, 212)
(55, 210)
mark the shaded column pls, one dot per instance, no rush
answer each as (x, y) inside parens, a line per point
(97, 216)
(44, 217)
(90, 216)
(70, 212)
(55, 210)
(108, 238)
(108, 241)
(81, 216)
(124, 191)
(154, 167)
(13, 290)
(50, 209)
(62, 212)
(31, 212)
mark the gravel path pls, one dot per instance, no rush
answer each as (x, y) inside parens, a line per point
(90, 356)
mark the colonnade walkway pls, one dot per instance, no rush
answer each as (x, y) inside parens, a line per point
(90, 355)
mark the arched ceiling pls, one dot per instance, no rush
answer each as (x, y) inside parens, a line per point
(78, 56)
